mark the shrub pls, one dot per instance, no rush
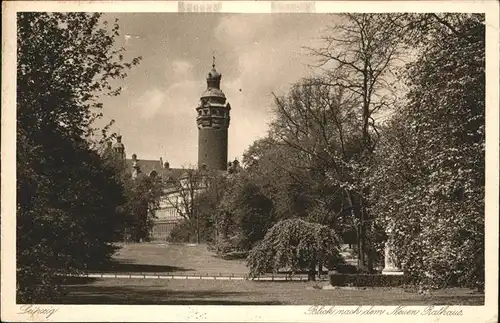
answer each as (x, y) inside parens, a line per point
(367, 280)
(182, 232)
(295, 244)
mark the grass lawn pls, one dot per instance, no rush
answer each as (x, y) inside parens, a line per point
(209, 292)
(196, 259)
(174, 258)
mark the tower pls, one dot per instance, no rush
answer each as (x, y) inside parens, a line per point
(119, 148)
(213, 123)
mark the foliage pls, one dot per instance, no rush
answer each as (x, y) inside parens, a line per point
(207, 203)
(142, 196)
(318, 123)
(276, 169)
(329, 123)
(243, 216)
(143, 199)
(294, 244)
(368, 280)
(429, 182)
(364, 52)
(185, 231)
(329, 159)
(67, 197)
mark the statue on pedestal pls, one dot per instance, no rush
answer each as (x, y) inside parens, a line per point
(390, 267)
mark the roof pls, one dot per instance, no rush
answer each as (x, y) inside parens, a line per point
(213, 74)
(213, 92)
(147, 166)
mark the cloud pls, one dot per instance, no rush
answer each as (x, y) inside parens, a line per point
(179, 96)
(182, 69)
(150, 102)
(269, 58)
(241, 28)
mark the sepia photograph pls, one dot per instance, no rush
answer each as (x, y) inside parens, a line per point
(334, 161)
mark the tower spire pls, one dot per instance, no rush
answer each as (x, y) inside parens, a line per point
(214, 77)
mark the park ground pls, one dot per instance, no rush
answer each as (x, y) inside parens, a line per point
(162, 259)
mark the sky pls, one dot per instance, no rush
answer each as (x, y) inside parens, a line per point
(257, 55)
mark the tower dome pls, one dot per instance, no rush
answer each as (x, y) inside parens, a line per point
(213, 74)
(213, 79)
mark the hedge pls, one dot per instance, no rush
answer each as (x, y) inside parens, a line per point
(367, 280)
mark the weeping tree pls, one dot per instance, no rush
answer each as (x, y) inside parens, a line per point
(296, 245)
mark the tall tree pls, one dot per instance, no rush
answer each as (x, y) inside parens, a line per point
(276, 169)
(244, 213)
(67, 197)
(207, 201)
(431, 165)
(360, 56)
(143, 195)
(320, 124)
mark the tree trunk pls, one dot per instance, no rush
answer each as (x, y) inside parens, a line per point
(370, 260)
(361, 247)
(311, 275)
(197, 230)
(367, 232)
(362, 237)
(360, 241)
